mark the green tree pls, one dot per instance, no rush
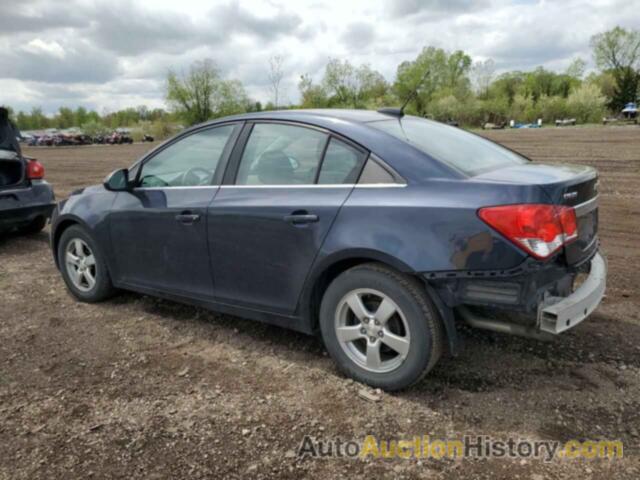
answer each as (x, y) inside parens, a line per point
(576, 68)
(202, 94)
(507, 86)
(38, 119)
(311, 95)
(618, 51)
(434, 73)
(80, 116)
(587, 104)
(65, 118)
(94, 128)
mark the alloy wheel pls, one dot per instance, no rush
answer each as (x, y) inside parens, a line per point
(372, 330)
(81, 264)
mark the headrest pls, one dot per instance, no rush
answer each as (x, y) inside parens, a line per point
(274, 168)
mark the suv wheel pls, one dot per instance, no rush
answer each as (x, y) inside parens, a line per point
(83, 267)
(380, 326)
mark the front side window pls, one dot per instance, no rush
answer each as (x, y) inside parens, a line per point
(341, 164)
(278, 154)
(189, 162)
(468, 153)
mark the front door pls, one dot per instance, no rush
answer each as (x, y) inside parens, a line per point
(266, 228)
(159, 230)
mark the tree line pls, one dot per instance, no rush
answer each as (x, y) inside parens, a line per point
(447, 85)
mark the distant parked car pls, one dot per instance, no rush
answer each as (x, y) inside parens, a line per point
(45, 141)
(62, 140)
(376, 230)
(563, 122)
(26, 199)
(118, 139)
(629, 114)
(494, 126)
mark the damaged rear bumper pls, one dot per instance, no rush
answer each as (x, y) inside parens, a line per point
(558, 314)
(538, 303)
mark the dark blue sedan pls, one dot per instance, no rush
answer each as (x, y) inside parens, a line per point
(378, 230)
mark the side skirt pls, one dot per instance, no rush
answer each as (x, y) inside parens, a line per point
(290, 322)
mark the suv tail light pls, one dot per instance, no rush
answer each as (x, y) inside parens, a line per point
(35, 170)
(538, 229)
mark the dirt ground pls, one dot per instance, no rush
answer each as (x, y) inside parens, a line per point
(139, 387)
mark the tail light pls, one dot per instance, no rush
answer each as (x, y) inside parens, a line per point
(35, 170)
(538, 229)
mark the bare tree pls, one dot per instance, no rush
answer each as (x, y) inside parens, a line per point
(482, 75)
(275, 76)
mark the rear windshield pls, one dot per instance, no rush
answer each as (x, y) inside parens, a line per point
(464, 151)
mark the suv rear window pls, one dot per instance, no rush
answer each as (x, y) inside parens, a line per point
(464, 151)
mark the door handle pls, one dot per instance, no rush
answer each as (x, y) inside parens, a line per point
(299, 218)
(187, 218)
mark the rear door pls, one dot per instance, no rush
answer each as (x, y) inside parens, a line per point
(159, 230)
(285, 185)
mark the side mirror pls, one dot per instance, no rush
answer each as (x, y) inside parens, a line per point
(118, 181)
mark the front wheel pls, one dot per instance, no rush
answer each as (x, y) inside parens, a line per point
(380, 327)
(83, 266)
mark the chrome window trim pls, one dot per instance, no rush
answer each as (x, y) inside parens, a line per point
(337, 185)
(178, 187)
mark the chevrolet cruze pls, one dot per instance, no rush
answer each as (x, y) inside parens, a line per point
(379, 230)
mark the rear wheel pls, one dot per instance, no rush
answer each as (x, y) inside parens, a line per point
(380, 327)
(83, 267)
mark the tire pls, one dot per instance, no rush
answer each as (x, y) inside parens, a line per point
(36, 226)
(415, 326)
(74, 240)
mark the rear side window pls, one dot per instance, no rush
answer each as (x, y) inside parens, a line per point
(278, 154)
(374, 173)
(464, 151)
(341, 164)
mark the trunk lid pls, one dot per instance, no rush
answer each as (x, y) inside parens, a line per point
(571, 185)
(12, 169)
(12, 165)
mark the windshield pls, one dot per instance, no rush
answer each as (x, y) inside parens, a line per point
(469, 153)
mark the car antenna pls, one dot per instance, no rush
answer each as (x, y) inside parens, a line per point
(399, 112)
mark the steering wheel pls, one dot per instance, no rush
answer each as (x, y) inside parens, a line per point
(195, 176)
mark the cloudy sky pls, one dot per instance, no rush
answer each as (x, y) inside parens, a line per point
(113, 54)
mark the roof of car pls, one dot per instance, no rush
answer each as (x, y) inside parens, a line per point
(351, 115)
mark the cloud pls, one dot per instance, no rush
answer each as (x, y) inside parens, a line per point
(232, 19)
(358, 35)
(405, 8)
(116, 53)
(131, 29)
(58, 62)
(38, 16)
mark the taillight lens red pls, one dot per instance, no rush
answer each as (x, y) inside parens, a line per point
(35, 170)
(539, 229)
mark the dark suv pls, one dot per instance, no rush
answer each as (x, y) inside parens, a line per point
(378, 230)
